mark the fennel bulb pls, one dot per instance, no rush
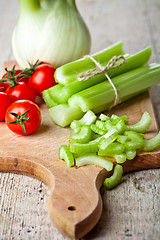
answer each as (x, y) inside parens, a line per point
(49, 30)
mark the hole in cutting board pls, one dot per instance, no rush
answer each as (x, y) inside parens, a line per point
(72, 208)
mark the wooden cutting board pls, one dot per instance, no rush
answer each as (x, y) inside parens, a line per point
(75, 204)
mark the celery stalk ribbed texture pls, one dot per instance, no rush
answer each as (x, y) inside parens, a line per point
(62, 94)
(100, 97)
(68, 72)
(128, 85)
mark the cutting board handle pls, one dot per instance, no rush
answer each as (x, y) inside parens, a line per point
(75, 206)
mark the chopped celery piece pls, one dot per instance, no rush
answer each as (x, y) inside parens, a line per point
(107, 135)
(136, 140)
(95, 135)
(94, 160)
(142, 125)
(90, 147)
(101, 125)
(83, 136)
(87, 119)
(77, 155)
(48, 99)
(111, 132)
(115, 179)
(112, 149)
(115, 119)
(128, 85)
(122, 139)
(97, 129)
(68, 72)
(65, 153)
(63, 114)
(131, 154)
(104, 142)
(108, 125)
(150, 144)
(120, 126)
(121, 158)
(104, 117)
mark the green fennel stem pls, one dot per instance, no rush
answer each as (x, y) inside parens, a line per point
(36, 4)
(29, 5)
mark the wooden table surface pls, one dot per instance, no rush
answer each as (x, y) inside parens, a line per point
(132, 210)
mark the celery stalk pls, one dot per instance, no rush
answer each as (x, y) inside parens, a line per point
(56, 93)
(50, 102)
(68, 72)
(63, 114)
(132, 62)
(128, 85)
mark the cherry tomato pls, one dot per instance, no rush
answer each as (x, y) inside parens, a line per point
(23, 117)
(17, 72)
(5, 85)
(21, 91)
(42, 78)
(5, 101)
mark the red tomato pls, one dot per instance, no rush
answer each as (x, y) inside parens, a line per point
(5, 101)
(4, 85)
(42, 78)
(21, 79)
(22, 91)
(23, 117)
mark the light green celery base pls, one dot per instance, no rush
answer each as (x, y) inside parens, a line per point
(63, 114)
(48, 99)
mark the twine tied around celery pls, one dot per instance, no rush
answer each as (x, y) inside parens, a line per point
(96, 71)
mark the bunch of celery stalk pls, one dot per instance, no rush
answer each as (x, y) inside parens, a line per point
(70, 99)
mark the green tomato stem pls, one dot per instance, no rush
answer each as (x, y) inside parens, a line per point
(20, 119)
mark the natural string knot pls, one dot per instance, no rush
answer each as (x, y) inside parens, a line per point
(93, 72)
